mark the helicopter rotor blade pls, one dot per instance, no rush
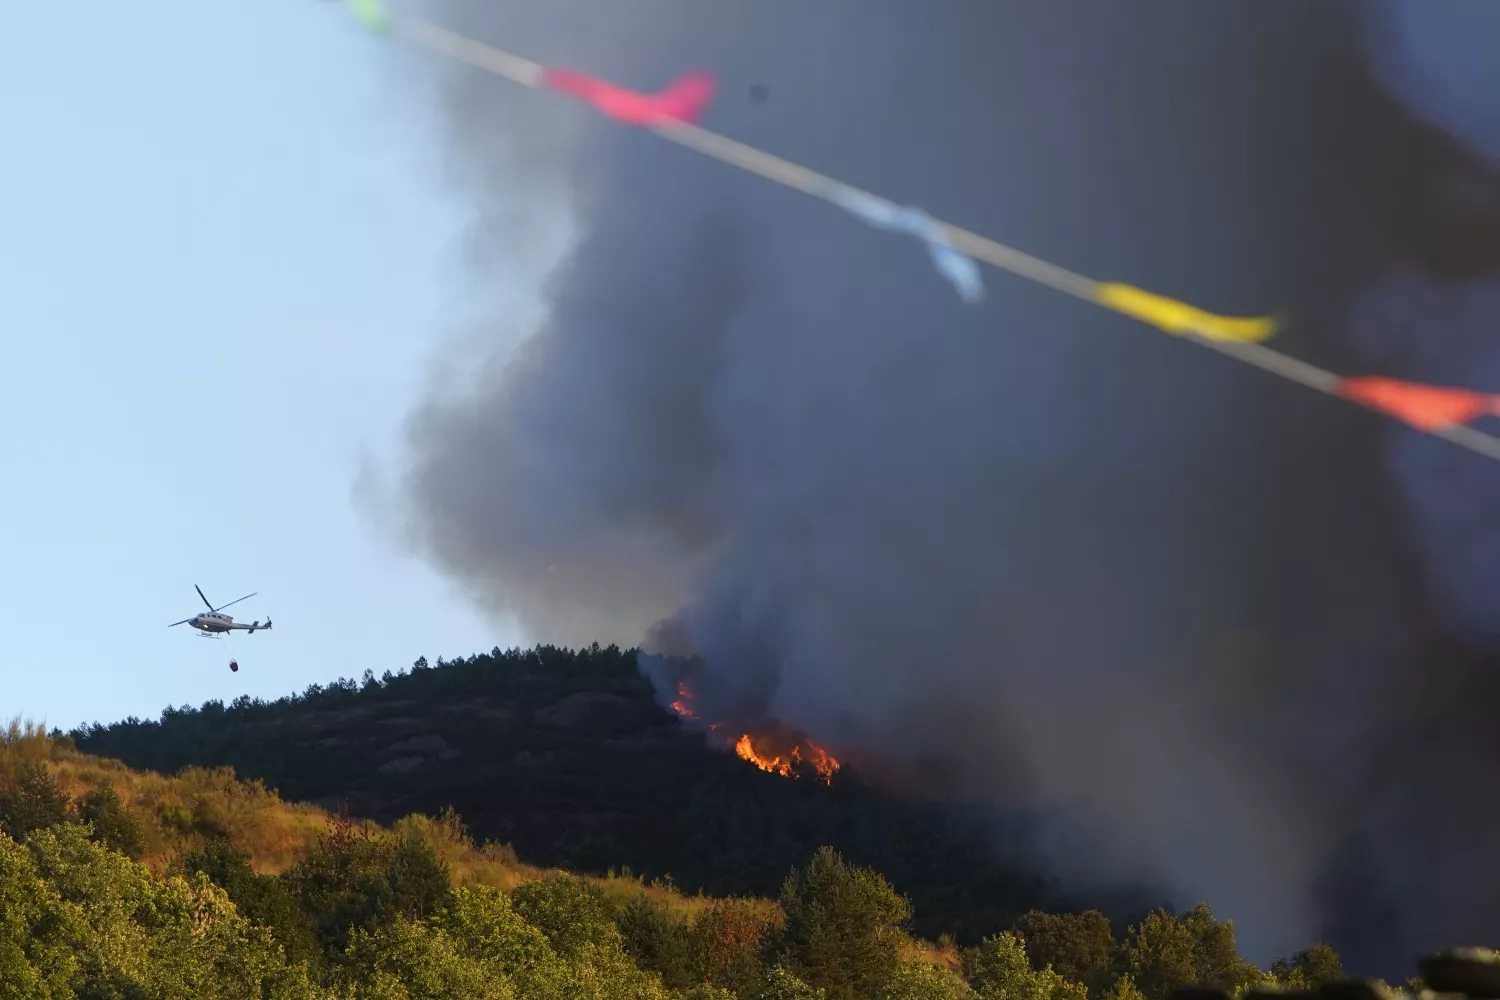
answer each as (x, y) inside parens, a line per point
(235, 601)
(183, 622)
(205, 600)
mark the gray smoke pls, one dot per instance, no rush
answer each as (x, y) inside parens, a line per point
(1029, 551)
(1442, 60)
(1439, 59)
(1435, 317)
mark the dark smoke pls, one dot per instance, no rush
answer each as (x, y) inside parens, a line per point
(1031, 551)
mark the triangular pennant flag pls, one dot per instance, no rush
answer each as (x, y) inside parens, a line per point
(1179, 317)
(1425, 407)
(370, 13)
(961, 271)
(684, 100)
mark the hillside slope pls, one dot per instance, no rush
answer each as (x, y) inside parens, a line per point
(115, 882)
(567, 756)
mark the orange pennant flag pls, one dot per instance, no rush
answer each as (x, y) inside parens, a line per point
(1425, 407)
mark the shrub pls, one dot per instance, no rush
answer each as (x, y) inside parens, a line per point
(112, 824)
(482, 923)
(571, 912)
(924, 981)
(413, 960)
(352, 879)
(261, 898)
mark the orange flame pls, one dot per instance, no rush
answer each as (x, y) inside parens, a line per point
(785, 762)
(775, 765)
(681, 706)
(823, 762)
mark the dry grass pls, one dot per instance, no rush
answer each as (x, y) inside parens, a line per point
(497, 865)
(178, 813)
(943, 953)
(487, 864)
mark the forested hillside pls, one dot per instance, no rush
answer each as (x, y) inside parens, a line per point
(567, 756)
(121, 884)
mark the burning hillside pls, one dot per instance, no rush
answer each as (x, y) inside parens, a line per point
(776, 749)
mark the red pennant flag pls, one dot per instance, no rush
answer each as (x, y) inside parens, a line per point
(1425, 407)
(684, 100)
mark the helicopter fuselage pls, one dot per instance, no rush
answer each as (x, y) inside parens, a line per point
(210, 622)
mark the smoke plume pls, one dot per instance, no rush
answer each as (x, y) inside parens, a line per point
(1030, 551)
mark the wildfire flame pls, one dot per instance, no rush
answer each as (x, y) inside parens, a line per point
(823, 762)
(681, 706)
(772, 754)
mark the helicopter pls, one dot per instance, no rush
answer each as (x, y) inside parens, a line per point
(213, 623)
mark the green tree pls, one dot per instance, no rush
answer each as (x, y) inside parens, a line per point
(1078, 946)
(1309, 969)
(1219, 962)
(412, 960)
(1158, 955)
(483, 925)
(1164, 952)
(31, 800)
(133, 935)
(261, 898)
(707, 991)
(570, 911)
(844, 927)
(726, 942)
(599, 972)
(1000, 970)
(113, 825)
(918, 980)
(657, 941)
(352, 879)
(41, 936)
(1124, 988)
(779, 983)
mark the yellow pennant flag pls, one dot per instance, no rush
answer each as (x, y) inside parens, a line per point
(1179, 317)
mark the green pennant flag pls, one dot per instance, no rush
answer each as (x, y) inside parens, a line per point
(370, 13)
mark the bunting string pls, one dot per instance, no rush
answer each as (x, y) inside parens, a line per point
(673, 114)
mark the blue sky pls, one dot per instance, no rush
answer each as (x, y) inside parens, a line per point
(226, 267)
